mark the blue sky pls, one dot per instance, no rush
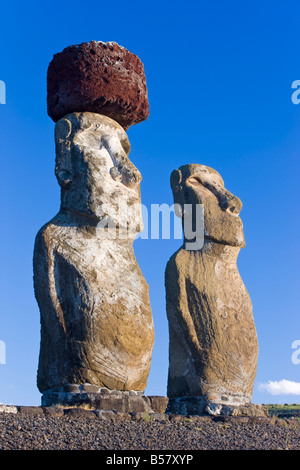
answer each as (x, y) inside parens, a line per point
(219, 79)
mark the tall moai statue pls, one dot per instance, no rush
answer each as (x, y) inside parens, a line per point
(213, 347)
(97, 330)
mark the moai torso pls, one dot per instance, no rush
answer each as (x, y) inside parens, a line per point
(213, 343)
(96, 321)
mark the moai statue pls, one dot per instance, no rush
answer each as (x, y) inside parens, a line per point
(213, 346)
(97, 330)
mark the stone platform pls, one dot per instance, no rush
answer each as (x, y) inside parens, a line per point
(108, 415)
(200, 406)
(101, 398)
(91, 401)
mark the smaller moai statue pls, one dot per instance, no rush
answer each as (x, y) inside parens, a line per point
(97, 332)
(213, 347)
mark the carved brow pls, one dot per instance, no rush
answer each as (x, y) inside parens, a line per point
(206, 185)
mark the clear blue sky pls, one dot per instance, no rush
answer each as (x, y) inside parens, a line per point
(219, 77)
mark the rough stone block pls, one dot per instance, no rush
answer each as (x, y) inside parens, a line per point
(30, 410)
(79, 413)
(158, 403)
(99, 77)
(89, 388)
(53, 411)
(71, 388)
(8, 409)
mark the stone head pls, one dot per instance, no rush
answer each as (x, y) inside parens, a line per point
(94, 171)
(198, 184)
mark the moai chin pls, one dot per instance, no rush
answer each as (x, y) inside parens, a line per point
(213, 346)
(96, 321)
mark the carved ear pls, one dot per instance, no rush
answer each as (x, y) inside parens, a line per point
(63, 164)
(175, 180)
(63, 129)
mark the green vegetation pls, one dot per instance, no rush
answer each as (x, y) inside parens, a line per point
(276, 409)
(147, 418)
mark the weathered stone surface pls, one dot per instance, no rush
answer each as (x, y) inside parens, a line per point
(53, 411)
(213, 342)
(251, 410)
(187, 405)
(116, 401)
(199, 406)
(89, 388)
(106, 415)
(71, 388)
(30, 410)
(99, 77)
(8, 409)
(96, 320)
(79, 413)
(158, 404)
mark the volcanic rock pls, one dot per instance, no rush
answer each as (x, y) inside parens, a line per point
(96, 320)
(99, 77)
(213, 343)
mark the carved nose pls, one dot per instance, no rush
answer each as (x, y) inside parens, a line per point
(231, 203)
(123, 170)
